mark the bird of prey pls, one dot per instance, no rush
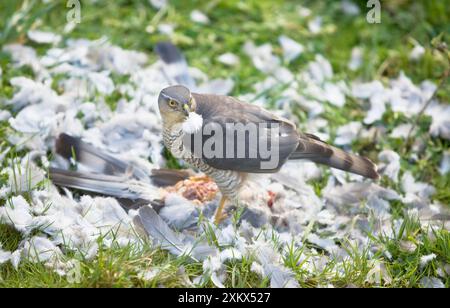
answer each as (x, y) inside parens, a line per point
(177, 105)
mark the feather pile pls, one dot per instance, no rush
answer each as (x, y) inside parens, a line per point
(283, 211)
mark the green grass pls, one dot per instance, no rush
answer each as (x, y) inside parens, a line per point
(132, 24)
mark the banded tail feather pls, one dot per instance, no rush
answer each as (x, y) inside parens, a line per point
(312, 148)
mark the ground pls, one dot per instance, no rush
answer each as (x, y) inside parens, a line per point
(386, 46)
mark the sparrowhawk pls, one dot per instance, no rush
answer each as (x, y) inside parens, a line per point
(177, 104)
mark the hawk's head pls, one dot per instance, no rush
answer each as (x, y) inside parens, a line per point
(175, 103)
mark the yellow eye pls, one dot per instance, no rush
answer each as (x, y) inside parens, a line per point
(172, 103)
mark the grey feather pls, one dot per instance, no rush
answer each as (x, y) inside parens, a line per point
(95, 160)
(155, 227)
(115, 186)
(281, 276)
(101, 163)
(201, 251)
(175, 69)
(160, 232)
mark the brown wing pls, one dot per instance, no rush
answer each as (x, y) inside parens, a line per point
(236, 122)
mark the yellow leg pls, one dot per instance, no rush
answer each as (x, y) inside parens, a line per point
(219, 216)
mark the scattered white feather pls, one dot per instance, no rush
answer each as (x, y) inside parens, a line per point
(35, 119)
(445, 163)
(334, 94)
(389, 164)
(417, 52)
(304, 12)
(5, 256)
(4, 115)
(347, 133)
(407, 246)
(377, 108)
(158, 4)
(380, 207)
(102, 82)
(262, 56)
(350, 8)
(431, 282)
(17, 213)
(257, 268)
(353, 193)
(230, 254)
(402, 131)
(24, 55)
(217, 86)
(315, 25)
(325, 243)
(212, 265)
(193, 123)
(356, 59)
(367, 90)
(378, 274)
(40, 249)
(43, 37)
(440, 115)
(424, 260)
(178, 212)
(103, 213)
(16, 258)
(149, 275)
(33, 92)
(167, 29)
(199, 17)
(229, 59)
(112, 58)
(415, 190)
(291, 48)
(281, 276)
(320, 69)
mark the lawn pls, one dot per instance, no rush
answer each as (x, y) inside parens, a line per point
(414, 254)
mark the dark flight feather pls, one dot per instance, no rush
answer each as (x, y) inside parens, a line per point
(176, 68)
(107, 175)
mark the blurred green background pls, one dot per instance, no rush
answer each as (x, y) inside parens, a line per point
(133, 24)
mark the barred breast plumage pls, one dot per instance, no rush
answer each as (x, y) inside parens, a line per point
(228, 181)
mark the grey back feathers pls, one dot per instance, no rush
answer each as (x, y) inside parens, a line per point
(291, 144)
(224, 110)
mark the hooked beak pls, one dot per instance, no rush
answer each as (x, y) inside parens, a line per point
(186, 109)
